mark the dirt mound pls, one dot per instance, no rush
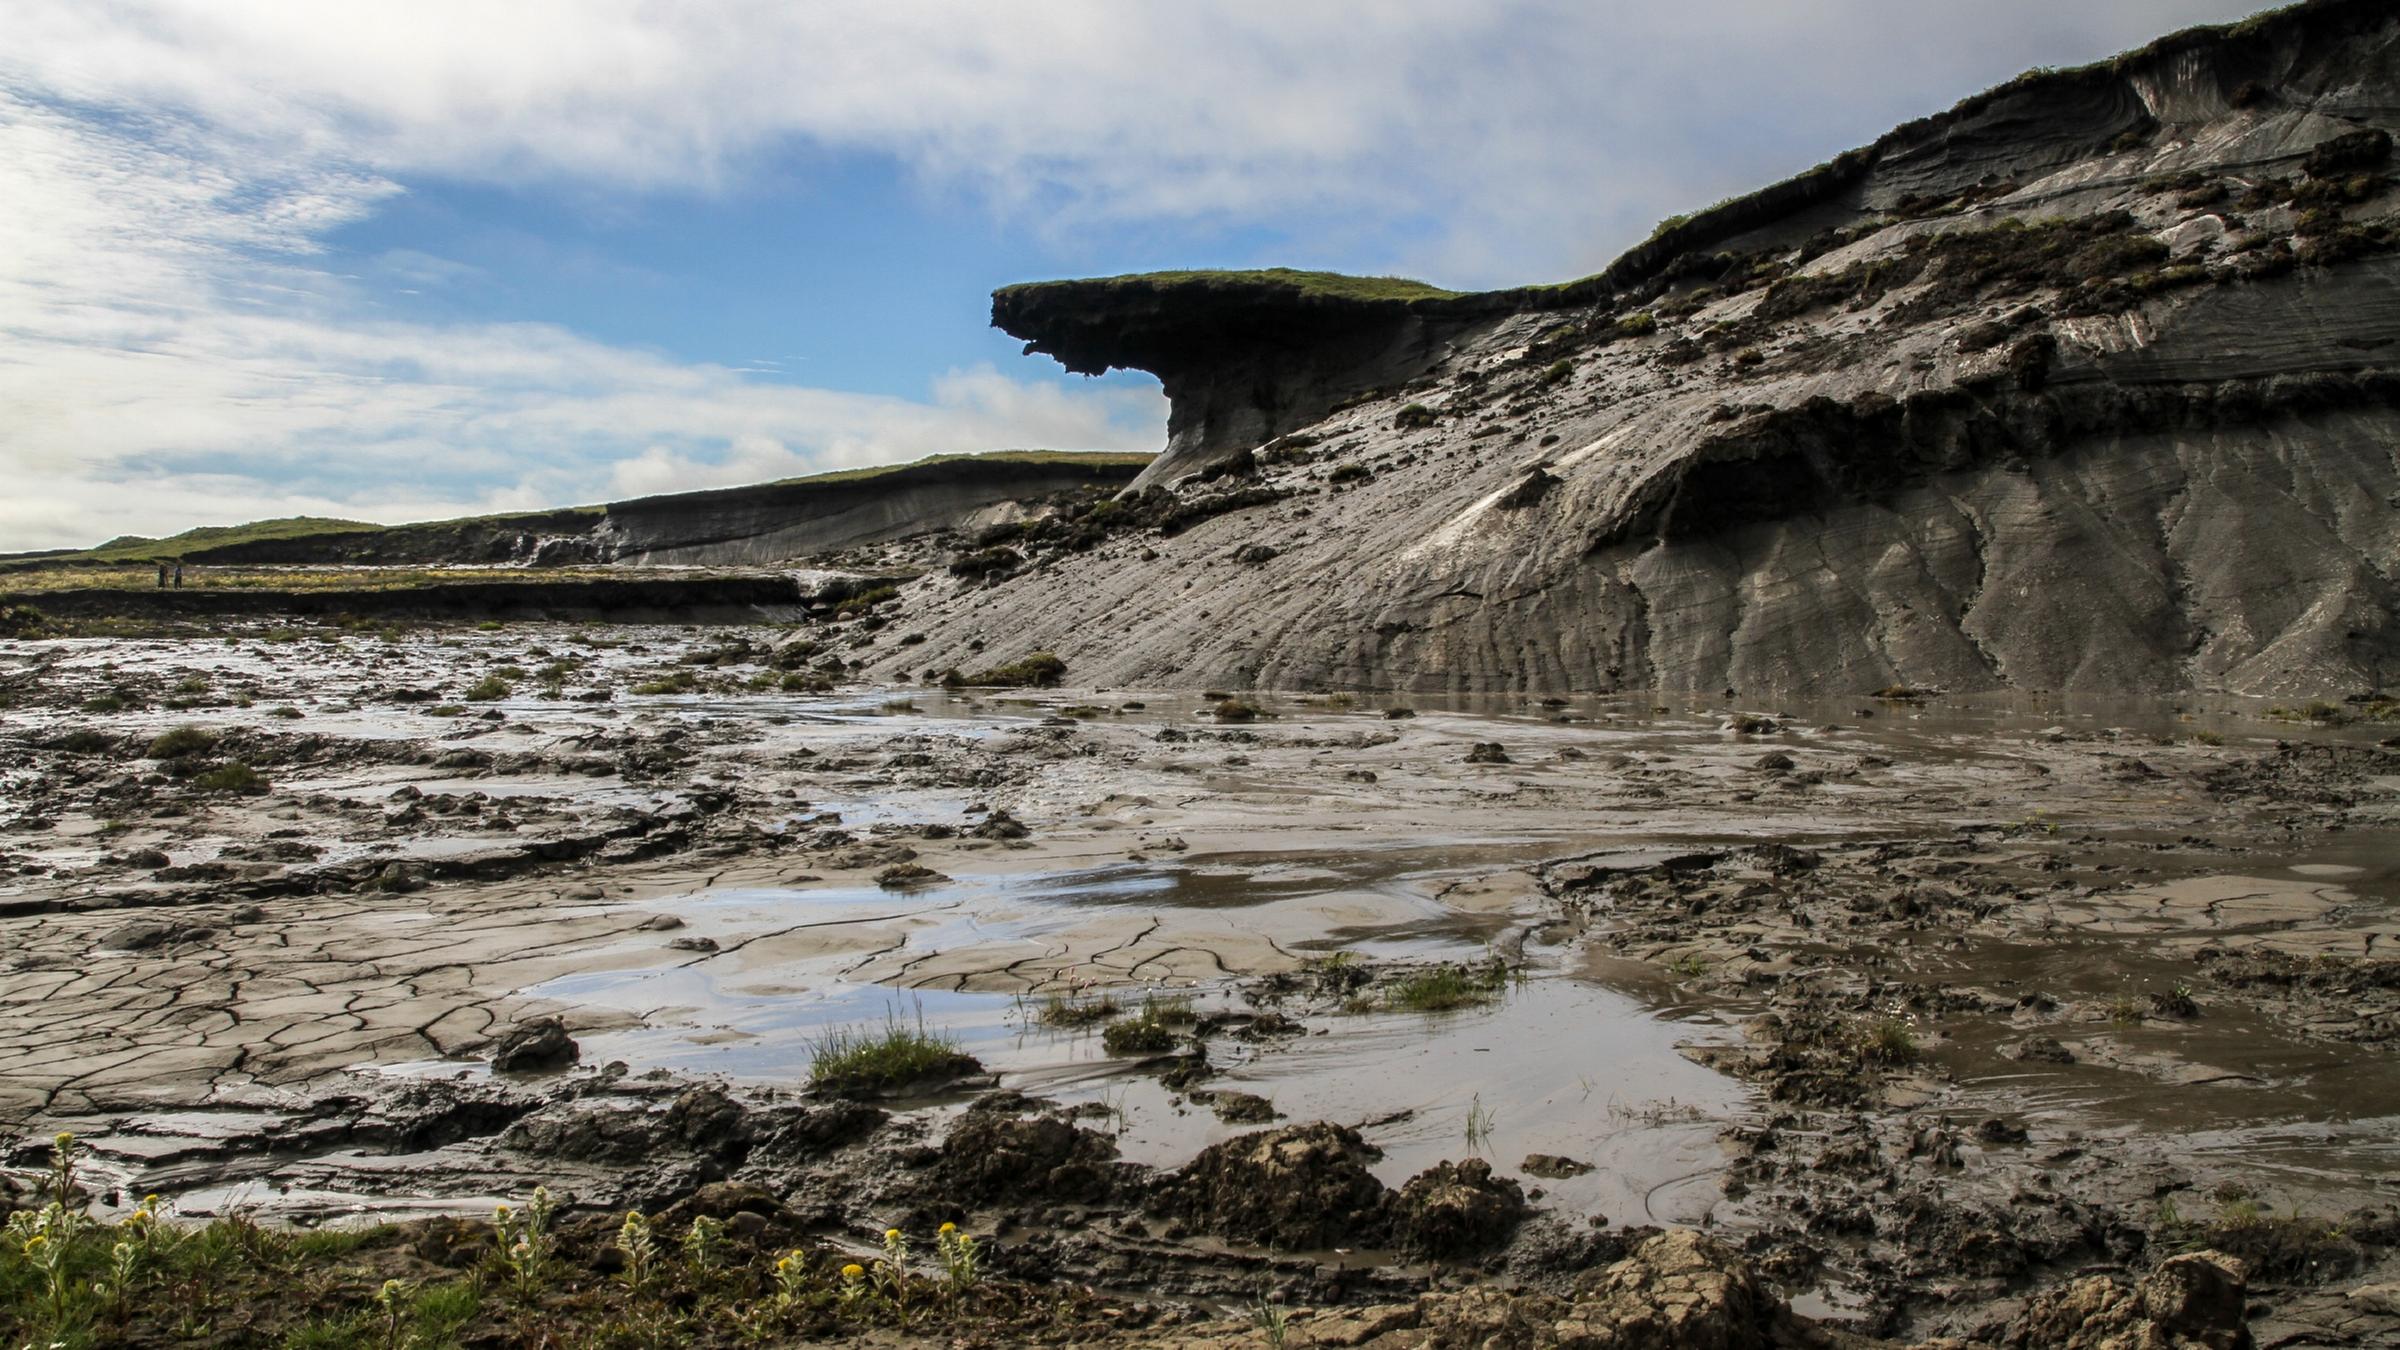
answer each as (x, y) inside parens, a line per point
(1008, 1145)
(1677, 1291)
(1302, 1186)
(1456, 1208)
(2191, 1302)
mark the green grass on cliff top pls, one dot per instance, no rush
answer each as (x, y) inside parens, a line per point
(1096, 458)
(1330, 285)
(137, 549)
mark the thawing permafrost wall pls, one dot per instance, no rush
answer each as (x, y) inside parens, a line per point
(2205, 493)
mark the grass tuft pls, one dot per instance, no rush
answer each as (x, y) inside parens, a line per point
(1038, 670)
(1446, 988)
(182, 743)
(851, 1060)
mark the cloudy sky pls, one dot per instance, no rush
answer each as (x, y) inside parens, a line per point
(396, 261)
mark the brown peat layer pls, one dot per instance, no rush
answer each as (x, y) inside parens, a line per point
(1897, 1017)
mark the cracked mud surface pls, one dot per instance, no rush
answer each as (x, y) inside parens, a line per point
(1923, 1009)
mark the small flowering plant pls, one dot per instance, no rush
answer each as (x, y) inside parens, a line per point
(527, 1249)
(960, 1258)
(791, 1279)
(640, 1248)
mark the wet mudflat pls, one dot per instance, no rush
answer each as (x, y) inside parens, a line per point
(1920, 1005)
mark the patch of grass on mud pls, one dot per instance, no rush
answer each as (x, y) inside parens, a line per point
(182, 743)
(1151, 1031)
(1058, 1010)
(235, 777)
(1887, 1040)
(849, 1060)
(1447, 988)
(1035, 670)
(675, 682)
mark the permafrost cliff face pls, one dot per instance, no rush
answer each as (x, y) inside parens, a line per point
(2090, 385)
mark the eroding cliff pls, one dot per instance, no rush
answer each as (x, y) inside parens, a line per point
(2090, 384)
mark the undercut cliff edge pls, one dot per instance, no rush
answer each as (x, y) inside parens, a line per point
(2087, 385)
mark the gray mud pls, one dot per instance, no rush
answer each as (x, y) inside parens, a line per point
(1923, 1008)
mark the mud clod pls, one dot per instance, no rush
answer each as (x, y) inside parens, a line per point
(539, 1046)
(1457, 1208)
(1301, 1187)
(2191, 1302)
(1008, 1146)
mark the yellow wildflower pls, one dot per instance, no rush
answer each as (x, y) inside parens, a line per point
(949, 1228)
(890, 1233)
(854, 1271)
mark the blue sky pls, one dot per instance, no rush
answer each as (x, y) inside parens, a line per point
(272, 257)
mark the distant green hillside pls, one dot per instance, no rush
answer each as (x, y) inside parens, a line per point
(209, 538)
(135, 548)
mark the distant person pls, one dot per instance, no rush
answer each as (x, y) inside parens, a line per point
(162, 576)
(179, 574)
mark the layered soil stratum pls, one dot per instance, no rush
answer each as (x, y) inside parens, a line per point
(1830, 785)
(2084, 386)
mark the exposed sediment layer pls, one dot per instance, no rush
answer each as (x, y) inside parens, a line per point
(2088, 384)
(703, 599)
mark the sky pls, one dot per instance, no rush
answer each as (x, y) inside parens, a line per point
(404, 261)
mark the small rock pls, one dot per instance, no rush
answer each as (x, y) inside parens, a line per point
(1241, 1108)
(902, 876)
(536, 1046)
(1552, 1166)
(1488, 752)
(1000, 825)
(1994, 1131)
(2040, 1050)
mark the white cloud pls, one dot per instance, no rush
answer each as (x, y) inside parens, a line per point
(1517, 139)
(170, 352)
(169, 355)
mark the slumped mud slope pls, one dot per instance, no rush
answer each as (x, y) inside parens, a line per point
(2086, 385)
